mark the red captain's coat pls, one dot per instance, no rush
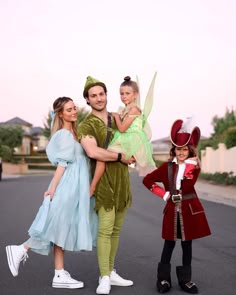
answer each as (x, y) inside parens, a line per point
(193, 220)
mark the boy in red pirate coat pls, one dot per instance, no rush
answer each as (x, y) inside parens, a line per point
(184, 217)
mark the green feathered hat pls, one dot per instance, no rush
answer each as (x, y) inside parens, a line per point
(90, 82)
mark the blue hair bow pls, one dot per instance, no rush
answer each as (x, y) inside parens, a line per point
(52, 115)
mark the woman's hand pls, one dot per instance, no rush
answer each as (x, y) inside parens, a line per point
(91, 190)
(49, 193)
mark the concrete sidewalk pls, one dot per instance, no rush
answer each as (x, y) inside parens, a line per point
(29, 173)
(224, 194)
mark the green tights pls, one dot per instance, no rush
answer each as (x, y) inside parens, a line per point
(109, 226)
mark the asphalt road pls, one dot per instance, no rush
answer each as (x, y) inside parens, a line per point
(214, 257)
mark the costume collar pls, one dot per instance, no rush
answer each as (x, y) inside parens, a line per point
(175, 161)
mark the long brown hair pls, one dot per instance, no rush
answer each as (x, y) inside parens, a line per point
(58, 107)
(192, 152)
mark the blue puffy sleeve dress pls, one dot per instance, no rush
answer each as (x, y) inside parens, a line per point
(69, 220)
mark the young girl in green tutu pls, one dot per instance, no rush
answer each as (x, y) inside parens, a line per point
(132, 136)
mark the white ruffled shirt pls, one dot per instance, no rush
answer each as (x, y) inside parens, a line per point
(180, 174)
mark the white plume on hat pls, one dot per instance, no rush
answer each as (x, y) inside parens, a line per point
(188, 125)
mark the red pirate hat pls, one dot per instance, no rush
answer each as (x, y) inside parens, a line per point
(180, 136)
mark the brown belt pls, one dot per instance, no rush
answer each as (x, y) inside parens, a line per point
(178, 198)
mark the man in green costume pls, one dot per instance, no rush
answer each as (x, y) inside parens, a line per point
(113, 194)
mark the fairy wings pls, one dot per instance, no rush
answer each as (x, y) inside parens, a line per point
(148, 104)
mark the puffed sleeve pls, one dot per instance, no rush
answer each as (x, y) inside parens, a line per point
(61, 148)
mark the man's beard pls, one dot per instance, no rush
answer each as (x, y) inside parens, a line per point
(99, 108)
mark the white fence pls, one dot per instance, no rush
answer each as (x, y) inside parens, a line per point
(220, 160)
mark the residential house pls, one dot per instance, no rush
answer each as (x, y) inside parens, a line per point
(33, 138)
(161, 148)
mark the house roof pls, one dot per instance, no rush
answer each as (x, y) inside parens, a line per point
(17, 121)
(36, 130)
(163, 139)
(162, 144)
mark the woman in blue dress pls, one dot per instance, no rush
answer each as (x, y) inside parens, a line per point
(63, 220)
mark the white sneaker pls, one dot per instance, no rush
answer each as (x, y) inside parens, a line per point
(104, 286)
(64, 280)
(117, 280)
(15, 254)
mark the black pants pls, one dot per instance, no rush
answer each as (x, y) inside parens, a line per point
(168, 250)
(170, 245)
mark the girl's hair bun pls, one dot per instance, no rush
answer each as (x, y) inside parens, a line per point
(127, 78)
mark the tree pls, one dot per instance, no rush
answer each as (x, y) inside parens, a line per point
(82, 114)
(47, 125)
(230, 139)
(224, 131)
(6, 153)
(222, 125)
(10, 137)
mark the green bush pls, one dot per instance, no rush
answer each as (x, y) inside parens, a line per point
(226, 178)
(6, 153)
(11, 136)
(230, 140)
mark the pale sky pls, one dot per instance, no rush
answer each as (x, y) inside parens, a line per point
(49, 47)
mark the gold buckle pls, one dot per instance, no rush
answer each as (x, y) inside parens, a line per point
(190, 284)
(176, 198)
(165, 282)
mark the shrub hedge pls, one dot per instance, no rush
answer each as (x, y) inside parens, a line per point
(226, 178)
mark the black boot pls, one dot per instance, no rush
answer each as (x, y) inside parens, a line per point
(163, 278)
(184, 274)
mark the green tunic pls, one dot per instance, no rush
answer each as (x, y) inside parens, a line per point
(113, 189)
